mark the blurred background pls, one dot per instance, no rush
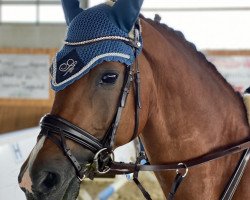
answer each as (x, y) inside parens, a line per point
(31, 31)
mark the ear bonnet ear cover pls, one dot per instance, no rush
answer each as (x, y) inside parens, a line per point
(76, 58)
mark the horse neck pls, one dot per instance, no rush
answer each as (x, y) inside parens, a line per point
(193, 109)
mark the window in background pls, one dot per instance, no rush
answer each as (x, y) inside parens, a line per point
(31, 11)
(211, 24)
(51, 14)
(22, 13)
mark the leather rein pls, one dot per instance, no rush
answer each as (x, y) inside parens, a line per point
(57, 129)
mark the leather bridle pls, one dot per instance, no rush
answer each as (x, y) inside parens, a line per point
(57, 129)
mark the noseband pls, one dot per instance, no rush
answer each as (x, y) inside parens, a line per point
(57, 129)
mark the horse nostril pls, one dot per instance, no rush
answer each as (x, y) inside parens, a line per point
(50, 181)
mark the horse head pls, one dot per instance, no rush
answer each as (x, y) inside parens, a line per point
(92, 75)
(178, 108)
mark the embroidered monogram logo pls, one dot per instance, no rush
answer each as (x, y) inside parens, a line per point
(68, 67)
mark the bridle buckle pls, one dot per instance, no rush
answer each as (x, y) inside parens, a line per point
(102, 160)
(81, 179)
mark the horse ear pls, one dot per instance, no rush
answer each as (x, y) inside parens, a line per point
(71, 9)
(125, 13)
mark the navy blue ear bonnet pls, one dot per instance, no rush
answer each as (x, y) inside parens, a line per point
(98, 34)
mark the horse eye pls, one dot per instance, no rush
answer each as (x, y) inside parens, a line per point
(109, 78)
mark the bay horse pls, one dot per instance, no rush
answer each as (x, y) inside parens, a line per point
(188, 110)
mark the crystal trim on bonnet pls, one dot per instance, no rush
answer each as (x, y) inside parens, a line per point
(97, 40)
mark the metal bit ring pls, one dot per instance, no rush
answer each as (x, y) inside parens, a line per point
(186, 170)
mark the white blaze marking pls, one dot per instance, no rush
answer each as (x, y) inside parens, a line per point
(26, 180)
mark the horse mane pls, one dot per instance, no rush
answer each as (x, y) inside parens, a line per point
(165, 29)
